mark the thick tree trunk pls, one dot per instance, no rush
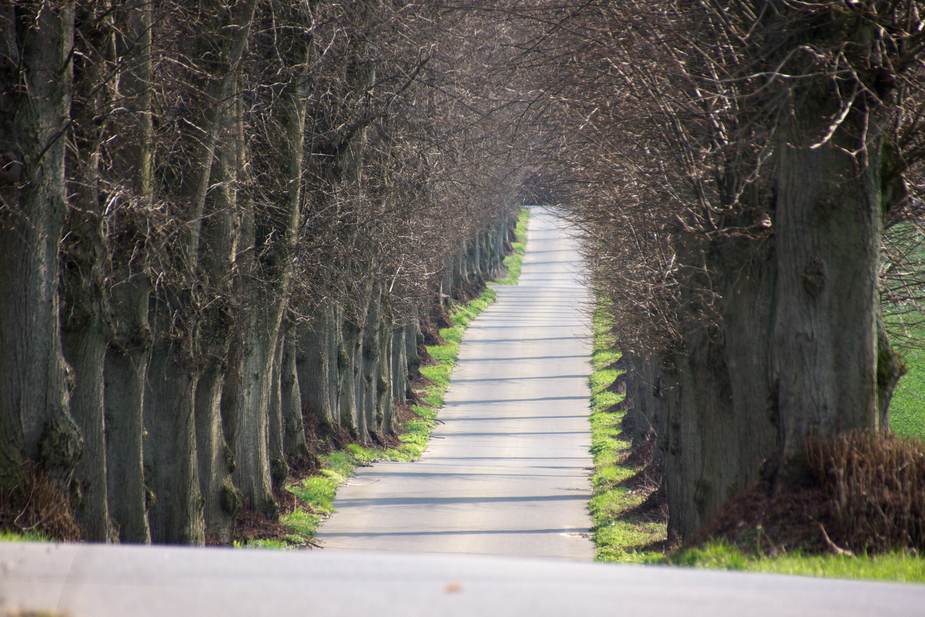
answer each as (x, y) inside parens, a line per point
(251, 432)
(84, 262)
(346, 372)
(35, 421)
(371, 358)
(85, 350)
(222, 501)
(828, 228)
(131, 149)
(279, 467)
(399, 365)
(171, 462)
(126, 372)
(219, 243)
(181, 351)
(336, 361)
(385, 397)
(413, 344)
(313, 364)
(276, 232)
(84, 339)
(721, 419)
(294, 444)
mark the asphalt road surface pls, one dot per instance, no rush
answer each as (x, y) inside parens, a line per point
(506, 471)
(81, 580)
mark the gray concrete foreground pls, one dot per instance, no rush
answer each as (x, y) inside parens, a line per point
(84, 580)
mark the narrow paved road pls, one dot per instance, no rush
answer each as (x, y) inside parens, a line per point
(506, 473)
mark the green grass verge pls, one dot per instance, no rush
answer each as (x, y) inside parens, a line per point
(895, 567)
(907, 409)
(25, 536)
(514, 261)
(615, 534)
(318, 490)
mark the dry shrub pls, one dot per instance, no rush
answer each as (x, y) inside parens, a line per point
(875, 487)
(760, 522)
(30, 500)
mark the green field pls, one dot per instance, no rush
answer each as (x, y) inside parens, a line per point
(907, 411)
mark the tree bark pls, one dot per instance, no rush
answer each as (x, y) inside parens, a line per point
(125, 376)
(276, 227)
(171, 462)
(84, 256)
(179, 354)
(314, 367)
(35, 419)
(128, 353)
(279, 467)
(218, 249)
(294, 444)
(828, 224)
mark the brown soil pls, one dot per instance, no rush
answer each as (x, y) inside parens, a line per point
(642, 455)
(30, 500)
(757, 521)
(469, 291)
(403, 413)
(430, 329)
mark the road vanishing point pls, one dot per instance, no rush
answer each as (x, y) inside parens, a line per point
(507, 469)
(505, 479)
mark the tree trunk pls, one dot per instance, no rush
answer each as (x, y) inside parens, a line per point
(222, 501)
(126, 373)
(294, 444)
(181, 351)
(347, 356)
(400, 364)
(131, 150)
(35, 420)
(385, 397)
(251, 432)
(371, 358)
(279, 467)
(721, 421)
(84, 263)
(171, 462)
(218, 249)
(276, 231)
(314, 367)
(828, 228)
(85, 351)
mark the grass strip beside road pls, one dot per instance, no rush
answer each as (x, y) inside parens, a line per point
(620, 536)
(897, 567)
(319, 490)
(623, 539)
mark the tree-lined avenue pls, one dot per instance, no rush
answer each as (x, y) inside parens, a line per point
(506, 472)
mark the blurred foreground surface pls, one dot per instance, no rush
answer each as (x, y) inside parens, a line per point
(83, 580)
